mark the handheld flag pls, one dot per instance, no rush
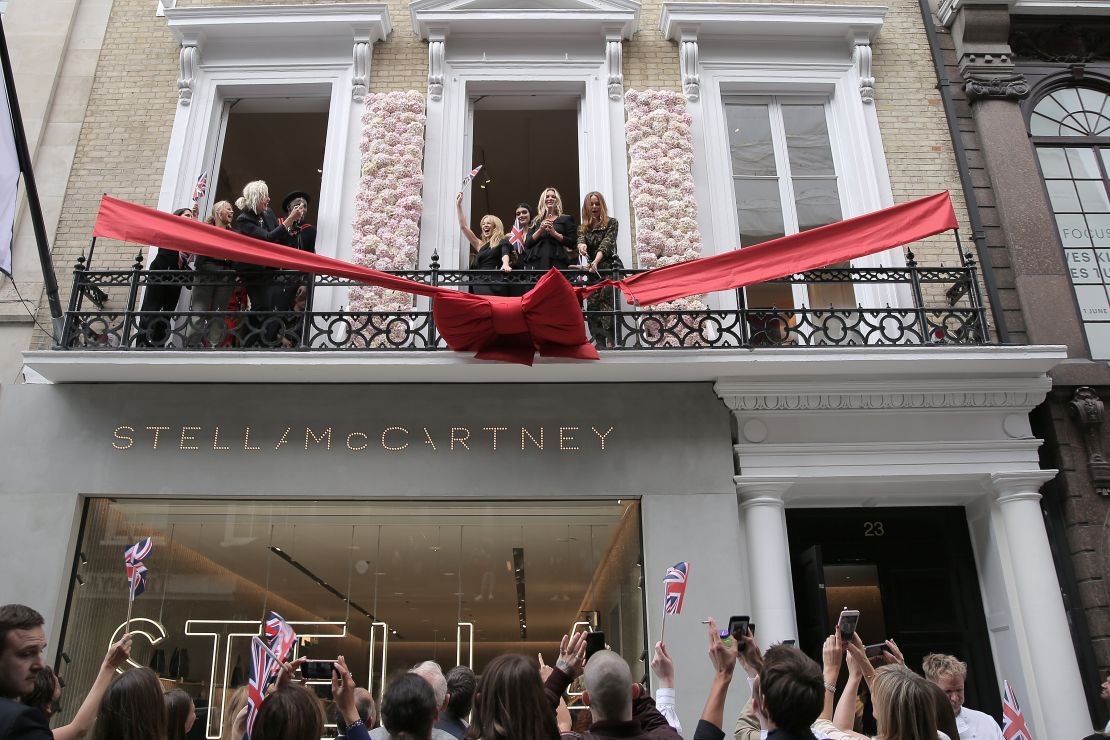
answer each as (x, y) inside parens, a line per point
(674, 587)
(266, 660)
(200, 189)
(136, 571)
(516, 237)
(469, 177)
(1013, 722)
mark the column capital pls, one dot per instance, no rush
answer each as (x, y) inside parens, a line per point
(762, 491)
(1018, 485)
(1012, 87)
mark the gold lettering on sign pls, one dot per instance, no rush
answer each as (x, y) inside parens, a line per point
(601, 436)
(494, 431)
(124, 438)
(403, 445)
(187, 437)
(524, 433)
(216, 441)
(157, 431)
(460, 440)
(325, 436)
(284, 438)
(428, 439)
(565, 438)
(247, 441)
(365, 441)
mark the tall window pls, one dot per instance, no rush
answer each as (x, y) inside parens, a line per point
(1071, 129)
(785, 181)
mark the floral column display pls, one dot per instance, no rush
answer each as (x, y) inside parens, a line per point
(661, 185)
(388, 203)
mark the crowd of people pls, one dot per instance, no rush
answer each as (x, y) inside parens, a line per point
(515, 697)
(221, 286)
(548, 237)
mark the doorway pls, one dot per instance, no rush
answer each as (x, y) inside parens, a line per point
(911, 573)
(525, 143)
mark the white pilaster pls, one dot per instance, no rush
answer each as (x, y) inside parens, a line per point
(436, 52)
(1053, 704)
(764, 517)
(688, 62)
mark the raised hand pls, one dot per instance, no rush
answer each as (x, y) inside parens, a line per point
(662, 666)
(572, 655)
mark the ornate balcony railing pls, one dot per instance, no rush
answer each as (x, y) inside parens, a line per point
(943, 307)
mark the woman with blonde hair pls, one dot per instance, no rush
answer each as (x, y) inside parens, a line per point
(597, 251)
(490, 252)
(212, 286)
(551, 236)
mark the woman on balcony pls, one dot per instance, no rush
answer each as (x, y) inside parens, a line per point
(550, 240)
(597, 251)
(212, 287)
(162, 293)
(490, 252)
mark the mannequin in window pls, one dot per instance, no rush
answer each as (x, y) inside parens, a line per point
(550, 241)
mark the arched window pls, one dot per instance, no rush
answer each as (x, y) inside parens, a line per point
(1071, 130)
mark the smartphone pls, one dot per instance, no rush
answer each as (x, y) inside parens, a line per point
(846, 625)
(789, 642)
(316, 670)
(875, 654)
(738, 627)
(595, 641)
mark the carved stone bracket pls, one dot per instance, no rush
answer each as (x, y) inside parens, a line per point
(614, 65)
(1007, 87)
(688, 62)
(1089, 412)
(360, 81)
(863, 68)
(188, 60)
(436, 51)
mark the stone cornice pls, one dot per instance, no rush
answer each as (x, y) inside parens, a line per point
(856, 24)
(440, 19)
(342, 21)
(948, 8)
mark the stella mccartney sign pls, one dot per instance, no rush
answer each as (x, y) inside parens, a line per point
(248, 439)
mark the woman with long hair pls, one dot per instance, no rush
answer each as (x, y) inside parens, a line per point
(597, 251)
(491, 251)
(256, 220)
(181, 713)
(292, 712)
(162, 293)
(903, 704)
(550, 240)
(212, 286)
(510, 703)
(132, 708)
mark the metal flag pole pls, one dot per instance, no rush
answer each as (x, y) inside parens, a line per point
(34, 208)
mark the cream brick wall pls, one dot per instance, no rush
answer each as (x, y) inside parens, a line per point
(122, 147)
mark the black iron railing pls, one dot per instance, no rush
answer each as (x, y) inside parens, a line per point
(110, 310)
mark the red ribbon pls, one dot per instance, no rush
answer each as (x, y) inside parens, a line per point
(548, 319)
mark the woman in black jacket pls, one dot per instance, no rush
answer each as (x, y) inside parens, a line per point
(162, 296)
(256, 220)
(550, 240)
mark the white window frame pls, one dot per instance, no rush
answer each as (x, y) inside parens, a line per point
(817, 51)
(266, 52)
(519, 50)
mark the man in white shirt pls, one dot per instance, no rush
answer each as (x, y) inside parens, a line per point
(949, 673)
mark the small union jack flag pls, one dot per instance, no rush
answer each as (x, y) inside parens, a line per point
(469, 177)
(674, 587)
(136, 571)
(516, 237)
(201, 188)
(266, 660)
(1013, 722)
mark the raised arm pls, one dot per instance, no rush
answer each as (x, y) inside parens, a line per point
(845, 716)
(832, 655)
(723, 658)
(470, 235)
(86, 715)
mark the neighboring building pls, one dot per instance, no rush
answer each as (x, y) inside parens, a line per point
(855, 437)
(1037, 122)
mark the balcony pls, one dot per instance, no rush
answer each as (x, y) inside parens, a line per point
(105, 315)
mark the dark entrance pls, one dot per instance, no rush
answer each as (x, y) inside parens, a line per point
(911, 574)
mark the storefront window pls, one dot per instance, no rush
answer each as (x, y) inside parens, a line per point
(386, 584)
(1071, 128)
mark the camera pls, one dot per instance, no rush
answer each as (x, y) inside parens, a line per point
(738, 627)
(875, 653)
(595, 642)
(315, 670)
(846, 625)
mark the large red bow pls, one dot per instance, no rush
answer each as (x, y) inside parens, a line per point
(548, 319)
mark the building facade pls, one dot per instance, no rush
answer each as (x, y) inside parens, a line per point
(858, 437)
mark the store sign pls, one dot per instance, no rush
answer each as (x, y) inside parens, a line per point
(246, 439)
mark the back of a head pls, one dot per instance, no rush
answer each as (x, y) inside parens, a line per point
(510, 703)
(367, 711)
(791, 687)
(461, 684)
(430, 671)
(937, 665)
(946, 718)
(43, 695)
(132, 708)
(609, 682)
(904, 705)
(290, 713)
(178, 703)
(409, 707)
(233, 702)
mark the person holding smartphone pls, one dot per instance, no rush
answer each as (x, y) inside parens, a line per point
(550, 240)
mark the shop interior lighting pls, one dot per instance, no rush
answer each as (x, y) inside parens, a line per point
(324, 584)
(518, 575)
